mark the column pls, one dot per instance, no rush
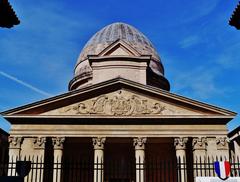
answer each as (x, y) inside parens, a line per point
(38, 156)
(98, 144)
(58, 152)
(222, 148)
(139, 144)
(14, 153)
(180, 146)
(199, 154)
(236, 148)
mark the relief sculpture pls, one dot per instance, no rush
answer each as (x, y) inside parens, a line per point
(117, 105)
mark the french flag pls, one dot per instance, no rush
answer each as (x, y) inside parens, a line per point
(222, 169)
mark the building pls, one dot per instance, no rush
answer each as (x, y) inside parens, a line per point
(119, 108)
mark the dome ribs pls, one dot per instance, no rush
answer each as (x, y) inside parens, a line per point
(107, 45)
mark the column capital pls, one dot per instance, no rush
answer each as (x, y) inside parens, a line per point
(199, 143)
(58, 143)
(98, 143)
(15, 142)
(39, 143)
(180, 143)
(139, 143)
(222, 143)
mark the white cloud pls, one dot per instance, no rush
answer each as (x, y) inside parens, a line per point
(198, 83)
(230, 57)
(25, 84)
(189, 41)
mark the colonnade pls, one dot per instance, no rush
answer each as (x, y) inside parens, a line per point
(36, 146)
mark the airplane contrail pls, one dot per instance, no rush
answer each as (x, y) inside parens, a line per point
(24, 84)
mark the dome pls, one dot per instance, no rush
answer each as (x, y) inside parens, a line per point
(118, 31)
(112, 33)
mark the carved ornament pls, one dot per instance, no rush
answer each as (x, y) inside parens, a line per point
(139, 143)
(58, 143)
(222, 143)
(39, 142)
(180, 143)
(118, 104)
(98, 143)
(15, 142)
(199, 143)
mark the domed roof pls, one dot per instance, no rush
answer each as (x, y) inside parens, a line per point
(120, 31)
(104, 39)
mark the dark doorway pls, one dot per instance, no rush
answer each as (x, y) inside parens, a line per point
(119, 162)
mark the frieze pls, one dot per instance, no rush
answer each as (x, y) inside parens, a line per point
(117, 105)
(120, 103)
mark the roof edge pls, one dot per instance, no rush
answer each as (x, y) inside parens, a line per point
(124, 82)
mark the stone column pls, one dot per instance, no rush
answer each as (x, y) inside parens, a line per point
(58, 152)
(199, 153)
(180, 146)
(236, 148)
(139, 144)
(14, 153)
(222, 148)
(98, 144)
(38, 158)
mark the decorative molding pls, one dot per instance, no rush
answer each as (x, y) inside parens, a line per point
(118, 104)
(39, 143)
(139, 143)
(199, 143)
(58, 143)
(15, 142)
(222, 143)
(98, 143)
(180, 143)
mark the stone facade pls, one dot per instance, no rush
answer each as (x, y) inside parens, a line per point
(116, 105)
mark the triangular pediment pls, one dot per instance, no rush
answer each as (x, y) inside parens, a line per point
(119, 48)
(119, 98)
(123, 103)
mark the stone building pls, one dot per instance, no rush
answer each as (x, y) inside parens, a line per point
(118, 107)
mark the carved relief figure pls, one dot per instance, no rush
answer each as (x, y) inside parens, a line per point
(118, 104)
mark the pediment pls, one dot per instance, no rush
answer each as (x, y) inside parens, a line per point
(119, 48)
(122, 103)
(119, 98)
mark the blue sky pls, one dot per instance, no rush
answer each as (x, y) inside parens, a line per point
(199, 50)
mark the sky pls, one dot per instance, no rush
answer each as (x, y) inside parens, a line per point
(199, 50)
